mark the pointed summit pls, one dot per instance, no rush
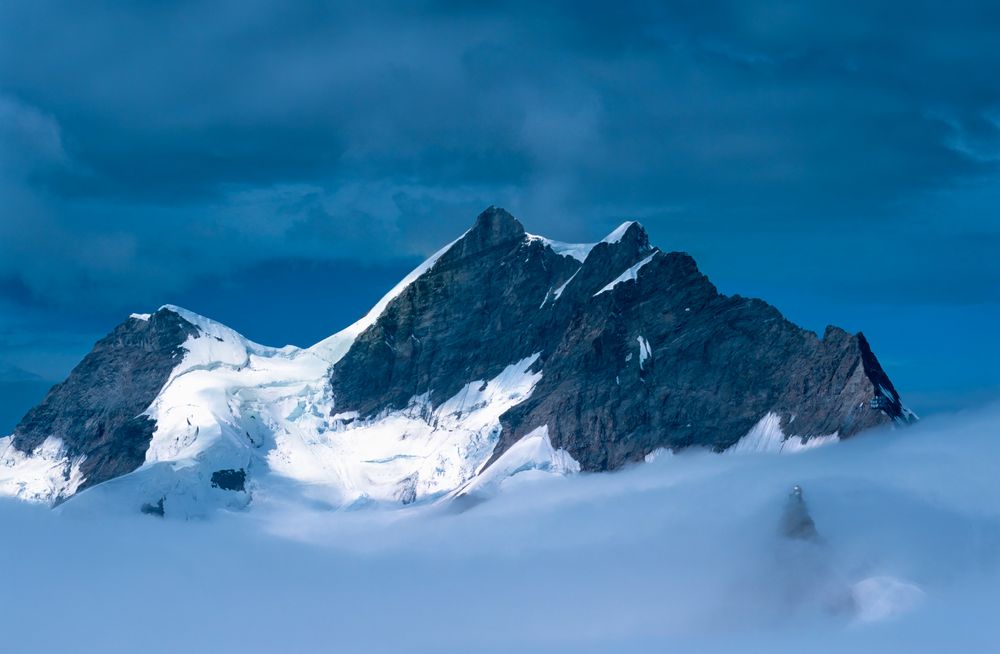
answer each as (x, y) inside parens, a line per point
(493, 227)
(96, 416)
(630, 239)
(499, 221)
(627, 231)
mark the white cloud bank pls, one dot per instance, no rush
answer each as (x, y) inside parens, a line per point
(678, 555)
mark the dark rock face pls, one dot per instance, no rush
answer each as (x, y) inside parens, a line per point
(660, 359)
(796, 523)
(231, 480)
(475, 312)
(151, 508)
(96, 411)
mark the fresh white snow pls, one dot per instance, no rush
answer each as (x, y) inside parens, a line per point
(529, 457)
(412, 454)
(767, 437)
(39, 476)
(645, 351)
(628, 275)
(578, 251)
(559, 291)
(618, 233)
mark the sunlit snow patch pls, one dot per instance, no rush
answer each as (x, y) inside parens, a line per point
(767, 436)
(532, 454)
(406, 455)
(628, 275)
(578, 251)
(44, 475)
(618, 233)
(644, 351)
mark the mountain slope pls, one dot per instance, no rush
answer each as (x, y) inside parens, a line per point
(504, 347)
(638, 349)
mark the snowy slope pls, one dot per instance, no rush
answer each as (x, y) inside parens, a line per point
(232, 404)
(235, 405)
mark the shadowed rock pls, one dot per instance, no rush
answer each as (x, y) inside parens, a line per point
(796, 523)
(153, 508)
(231, 480)
(660, 359)
(97, 411)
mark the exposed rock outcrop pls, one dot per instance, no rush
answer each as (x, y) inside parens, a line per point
(97, 411)
(796, 523)
(638, 350)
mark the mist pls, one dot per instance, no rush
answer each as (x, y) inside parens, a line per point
(684, 553)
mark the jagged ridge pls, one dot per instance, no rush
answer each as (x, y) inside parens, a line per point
(593, 355)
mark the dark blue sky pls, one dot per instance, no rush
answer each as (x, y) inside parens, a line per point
(278, 167)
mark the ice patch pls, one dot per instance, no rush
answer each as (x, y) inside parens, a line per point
(629, 274)
(767, 436)
(559, 291)
(618, 233)
(578, 251)
(534, 452)
(140, 316)
(644, 351)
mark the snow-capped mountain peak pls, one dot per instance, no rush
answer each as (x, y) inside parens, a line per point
(503, 352)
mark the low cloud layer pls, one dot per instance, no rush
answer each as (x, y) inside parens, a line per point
(685, 554)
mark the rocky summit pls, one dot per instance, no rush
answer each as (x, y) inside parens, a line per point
(503, 352)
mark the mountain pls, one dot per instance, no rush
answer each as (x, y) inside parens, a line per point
(503, 352)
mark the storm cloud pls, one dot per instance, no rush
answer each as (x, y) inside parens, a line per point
(156, 151)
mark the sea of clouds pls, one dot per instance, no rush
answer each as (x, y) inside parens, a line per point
(683, 554)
